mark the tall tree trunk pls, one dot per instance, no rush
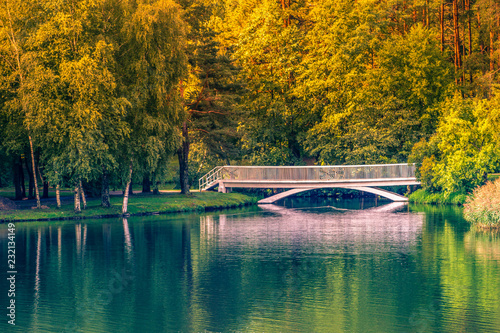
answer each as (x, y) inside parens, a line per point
(21, 177)
(17, 178)
(45, 194)
(45, 183)
(464, 47)
(156, 190)
(38, 205)
(469, 24)
(58, 196)
(456, 29)
(469, 27)
(492, 37)
(17, 53)
(427, 20)
(78, 209)
(31, 183)
(125, 193)
(498, 29)
(183, 154)
(146, 184)
(284, 5)
(105, 202)
(82, 193)
(482, 47)
(441, 24)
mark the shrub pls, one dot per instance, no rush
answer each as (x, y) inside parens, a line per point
(426, 197)
(483, 206)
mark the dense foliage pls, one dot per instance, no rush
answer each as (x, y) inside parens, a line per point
(105, 92)
(465, 147)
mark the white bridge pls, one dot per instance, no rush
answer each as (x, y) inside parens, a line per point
(304, 178)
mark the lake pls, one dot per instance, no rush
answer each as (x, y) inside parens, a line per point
(305, 265)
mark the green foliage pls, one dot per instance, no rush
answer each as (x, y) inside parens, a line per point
(464, 149)
(211, 93)
(482, 208)
(94, 83)
(268, 45)
(98, 84)
(426, 197)
(390, 108)
(150, 63)
(16, 23)
(74, 109)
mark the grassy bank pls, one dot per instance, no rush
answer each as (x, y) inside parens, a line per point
(424, 197)
(139, 204)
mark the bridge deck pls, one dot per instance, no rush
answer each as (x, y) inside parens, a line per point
(309, 177)
(313, 183)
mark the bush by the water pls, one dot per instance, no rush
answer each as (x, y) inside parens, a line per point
(483, 206)
(425, 197)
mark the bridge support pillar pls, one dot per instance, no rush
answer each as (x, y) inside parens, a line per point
(222, 188)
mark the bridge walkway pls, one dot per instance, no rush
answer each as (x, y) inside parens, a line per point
(303, 178)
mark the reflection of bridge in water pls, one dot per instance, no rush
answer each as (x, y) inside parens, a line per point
(364, 178)
(388, 228)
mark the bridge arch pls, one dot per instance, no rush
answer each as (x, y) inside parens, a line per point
(383, 193)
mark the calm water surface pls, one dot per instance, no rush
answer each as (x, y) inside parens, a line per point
(302, 266)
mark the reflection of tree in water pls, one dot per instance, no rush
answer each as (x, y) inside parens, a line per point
(483, 244)
(314, 269)
(301, 269)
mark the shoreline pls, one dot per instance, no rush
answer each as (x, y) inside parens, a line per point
(139, 205)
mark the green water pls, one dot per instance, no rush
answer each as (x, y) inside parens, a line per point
(315, 266)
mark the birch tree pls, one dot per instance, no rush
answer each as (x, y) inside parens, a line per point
(151, 64)
(15, 25)
(77, 108)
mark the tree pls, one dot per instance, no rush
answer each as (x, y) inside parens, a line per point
(76, 114)
(15, 22)
(377, 91)
(268, 46)
(465, 147)
(151, 64)
(211, 95)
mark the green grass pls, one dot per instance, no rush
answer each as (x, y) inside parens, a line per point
(139, 204)
(422, 196)
(9, 192)
(167, 186)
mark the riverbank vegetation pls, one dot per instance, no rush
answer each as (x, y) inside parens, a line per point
(108, 93)
(482, 208)
(425, 197)
(464, 149)
(139, 204)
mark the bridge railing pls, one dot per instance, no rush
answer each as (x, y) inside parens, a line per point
(211, 177)
(308, 173)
